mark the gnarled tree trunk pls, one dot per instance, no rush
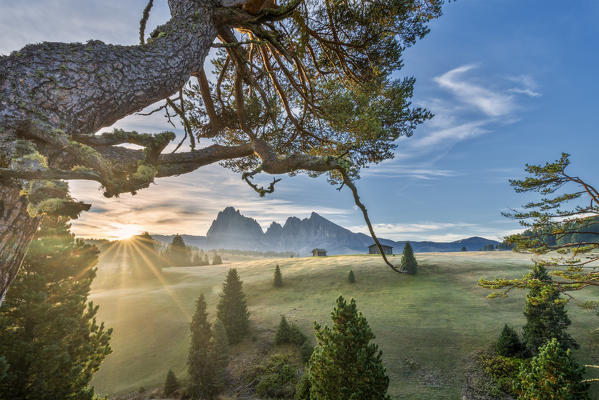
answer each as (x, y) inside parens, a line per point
(76, 89)
(16, 231)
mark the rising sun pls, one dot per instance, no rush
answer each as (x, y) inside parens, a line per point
(123, 231)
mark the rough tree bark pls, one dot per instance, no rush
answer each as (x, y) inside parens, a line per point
(50, 89)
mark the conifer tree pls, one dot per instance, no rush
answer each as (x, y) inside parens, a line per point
(198, 362)
(278, 278)
(232, 308)
(283, 332)
(345, 365)
(408, 261)
(177, 252)
(170, 384)
(552, 375)
(218, 355)
(509, 344)
(49, 338)
(217, 260)
(351, 278)
(546, 315)
(206, 260)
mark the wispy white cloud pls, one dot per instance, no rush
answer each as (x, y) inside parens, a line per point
(527, 85)
(473, 107)
(490, 102)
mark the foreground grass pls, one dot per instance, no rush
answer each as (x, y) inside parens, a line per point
(426, 324)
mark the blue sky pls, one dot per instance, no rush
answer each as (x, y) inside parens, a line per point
(509, 81)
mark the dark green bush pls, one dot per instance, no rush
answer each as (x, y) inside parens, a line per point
(509, 344)
(276, 377)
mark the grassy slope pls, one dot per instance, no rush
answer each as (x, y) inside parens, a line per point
(429, 321)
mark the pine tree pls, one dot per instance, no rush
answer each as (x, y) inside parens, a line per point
(545, 312)
(552, 375)
(217, 260)
(408, 261)
(232, 308)
(278, 278)
(351, 277)
(170, 384)
(283, 332)
(178, 253)
(198, 362)
(218, 358)
(345, 365)
(49, 338)
(509, 344)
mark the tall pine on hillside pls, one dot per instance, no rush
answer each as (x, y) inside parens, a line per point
(278, 277)
(170, 384)
(198, 362)
(345, 365)
(232, 308)
(546, 315)
(218, 354)
(49, 338)
(408, 261)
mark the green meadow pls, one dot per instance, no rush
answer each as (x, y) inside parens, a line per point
(427, 325)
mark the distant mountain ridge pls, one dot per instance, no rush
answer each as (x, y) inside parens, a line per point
(232, 230)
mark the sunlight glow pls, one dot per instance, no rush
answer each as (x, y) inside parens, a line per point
(123, 231)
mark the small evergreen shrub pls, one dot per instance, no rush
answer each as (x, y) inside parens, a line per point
(217, 260)
(509, 344)
(408, 261)
(276, 378)
(503, 370)
(170, 384)
(282, 335)
(351, 277)
(289, 334)
(278, 278)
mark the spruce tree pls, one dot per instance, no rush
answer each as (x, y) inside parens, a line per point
(283, 332)
(198, 362)
(351, 278)
(345, 365)
(218, 356)
(232, 308)
(408, 261)
(509, 344)
(552, 375)
(545, 312)
(278, 278)
(170, 384)
(178, 253)
(50, 341)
